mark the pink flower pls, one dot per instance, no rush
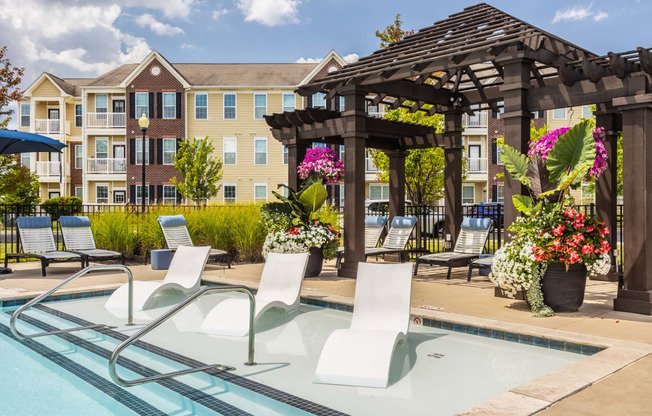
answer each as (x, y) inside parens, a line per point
(587, 248)
(578, 238)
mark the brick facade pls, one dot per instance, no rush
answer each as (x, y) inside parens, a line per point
(76, 179)
(156, 174)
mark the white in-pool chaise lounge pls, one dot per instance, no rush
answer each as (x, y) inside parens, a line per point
(183, 276)
(78, 238)
(175, 231)
(280, 287)
(361, 355)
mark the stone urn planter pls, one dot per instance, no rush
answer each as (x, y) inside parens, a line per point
(563, 290)
(315, 262)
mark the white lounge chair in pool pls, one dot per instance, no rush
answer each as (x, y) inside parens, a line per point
(183, 276)
(361, 355)
(175, 231)
(397, 238)
(373, 230)
(280, 287)
(37, 241)
(78, 238)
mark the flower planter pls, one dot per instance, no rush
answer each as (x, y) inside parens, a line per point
(315, 262)
(563, 290)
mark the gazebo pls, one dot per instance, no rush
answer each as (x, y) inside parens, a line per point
(485, 58)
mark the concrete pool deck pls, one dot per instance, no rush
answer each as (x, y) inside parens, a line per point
(617, 381)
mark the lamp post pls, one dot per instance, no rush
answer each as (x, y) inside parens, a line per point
(143, 122)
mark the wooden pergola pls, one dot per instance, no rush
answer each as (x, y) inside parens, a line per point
(485, 58)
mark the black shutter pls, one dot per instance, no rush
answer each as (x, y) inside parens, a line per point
(178, 105)
(150, 194)
(494, 114)
(151, 151)
(159, 193)
(328, 103)
(494, 152)
(159, 105)
(151, 105)
(179, 197)
(178, 145)
(132, 151)
(132, 194)
(494, 193)
(336, 199)
(132, 105)
(159, 151)
(309, 101)
(337, 103)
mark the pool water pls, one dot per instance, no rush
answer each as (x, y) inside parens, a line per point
(436, 372)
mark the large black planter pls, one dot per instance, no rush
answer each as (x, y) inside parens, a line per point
(563, 290)
(315, 261)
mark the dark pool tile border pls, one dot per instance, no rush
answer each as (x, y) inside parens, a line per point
(55, 298)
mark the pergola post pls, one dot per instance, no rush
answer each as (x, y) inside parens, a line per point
(354, 182)
(396, 182)
(636, 296)
(452, 175)
(606, 190)
(296, 154)
(517, 126)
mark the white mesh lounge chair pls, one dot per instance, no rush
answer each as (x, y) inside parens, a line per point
(397, 238)
(183, 276)
(78, 238)
(469, 245)
(373, 230)
(280, 287)
(361, 355)
(37, 241)
(175, 231)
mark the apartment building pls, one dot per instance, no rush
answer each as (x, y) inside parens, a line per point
(98, 119)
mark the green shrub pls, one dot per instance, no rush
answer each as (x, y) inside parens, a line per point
(62, 205)
(115, 231)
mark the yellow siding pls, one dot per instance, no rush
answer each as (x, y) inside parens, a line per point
(46, 89)
(113, 140)
(573, 115)
(113, 185)
(70, 117)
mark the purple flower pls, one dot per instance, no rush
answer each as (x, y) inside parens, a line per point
(323, 161)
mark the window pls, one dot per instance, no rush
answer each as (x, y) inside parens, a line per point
(499, 149)
(139, 151)
(101, 103)
(169, 150)
(119, 197)
(260, 106)
(318, 145)
(229, 106)
(260, 192)
(230, 149)
(559, 114)
(501, 109)
(102, 194)
(169, 105)
(289, 102)
(378, 192)
(201, 106)
(342, 153)
(369, 163)
(586, 111)
(101, 148)
(230, 193)
(78, 115)
(79, 192)
(260, 150)
(169, 194)
(24, 115)
(341, 195)
(319, 100)
(286, 155)
(342, 103)
(539, 114)
(468, 194)
(139, 194)
(79, 156)
(26, 160)
(500, 193)
(142, 104)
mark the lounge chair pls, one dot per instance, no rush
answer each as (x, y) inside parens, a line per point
(183, 276)
(37, 241)
(78, 238)
(469, 245)
(397, 238)
(280, 287)
(361, 355)
(176, 234)
(373, 230)
(481, 264)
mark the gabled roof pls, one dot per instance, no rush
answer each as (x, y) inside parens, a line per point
(330, 56)
(114, 77)
(154, 55)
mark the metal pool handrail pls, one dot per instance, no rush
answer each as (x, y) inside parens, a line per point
(130, 306)
(158, 321)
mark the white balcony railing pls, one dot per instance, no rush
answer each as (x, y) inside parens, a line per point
(476, 165)
(48, 168)
(106, 120)
(50, 126)
(107, 165)
(479, 119)
(377, 114)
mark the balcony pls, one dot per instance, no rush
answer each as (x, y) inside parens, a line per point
(107, 165)
(106, 120)
(48, 168)
(478, 120)
(376, 113)
(49, 126)
(476, 165)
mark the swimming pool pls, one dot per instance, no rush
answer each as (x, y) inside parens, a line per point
(438, 371)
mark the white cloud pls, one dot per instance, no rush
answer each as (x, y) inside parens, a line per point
(219, 13)
(270, 12)
(351, 58)
(303, 60)
(578, 13)
(188, 46)
(600, 16)
(171, 8)
(162, 29)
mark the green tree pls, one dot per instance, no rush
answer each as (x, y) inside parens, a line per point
(17, 183)
(9, 79)
(199, 170)
(393, 33)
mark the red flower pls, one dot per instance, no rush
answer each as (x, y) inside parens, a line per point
(574, 257)
(570, 213)
(558, 230)
(605, 246)
(604, 232)
(590, 228)
(587, 248)
(578, 238)
(556, 244)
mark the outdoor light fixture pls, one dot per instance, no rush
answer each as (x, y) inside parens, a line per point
(143, 122)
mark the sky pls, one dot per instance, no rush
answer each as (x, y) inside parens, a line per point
(73, 38)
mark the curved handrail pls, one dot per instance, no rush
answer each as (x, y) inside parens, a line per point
(158, 321)
(130, 314)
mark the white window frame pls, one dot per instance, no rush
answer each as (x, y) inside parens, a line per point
(234, 140)
(102, 139)
(286, 155)
(147, 200)
(500, 198)
(294, 101)
(168, 106)
(257, 139)
(499, 148)
(29, 160)
(28, 115)
(258, 107)
(384, 192)
(559, 118)
(98, 109)
(79, 117)
(169, 153)
(201, 106)
(342, 103)
(341, 153)
(169, 200)
(102, 185)
(230, 200)
(79, 157)
(77, 193)
(585, 109)
(257, 185)
(139, 113)
(313, 100)
(235, 105)
(140, 150)
(117, 192)
(467, 187)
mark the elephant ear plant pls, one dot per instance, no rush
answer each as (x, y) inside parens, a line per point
(552, 229)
